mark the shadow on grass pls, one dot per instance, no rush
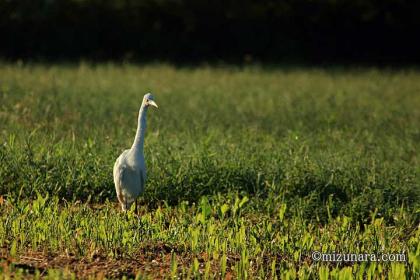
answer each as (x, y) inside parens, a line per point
(312, 192)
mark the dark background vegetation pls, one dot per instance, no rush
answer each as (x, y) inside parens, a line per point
(317, 31)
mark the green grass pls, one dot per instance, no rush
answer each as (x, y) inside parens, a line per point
(249, 171)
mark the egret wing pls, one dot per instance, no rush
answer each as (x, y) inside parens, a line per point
(119, 180)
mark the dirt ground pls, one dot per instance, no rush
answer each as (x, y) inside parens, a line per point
(153, 261)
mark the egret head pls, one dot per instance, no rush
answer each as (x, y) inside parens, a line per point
(148, 100)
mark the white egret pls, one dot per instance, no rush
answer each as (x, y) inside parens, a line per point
(130, 168)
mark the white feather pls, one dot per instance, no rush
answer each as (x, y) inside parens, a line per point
(130, 168)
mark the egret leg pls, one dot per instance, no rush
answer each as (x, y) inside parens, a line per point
(121, 201)
(135, 207)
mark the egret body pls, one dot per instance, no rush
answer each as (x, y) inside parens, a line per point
(130, 168)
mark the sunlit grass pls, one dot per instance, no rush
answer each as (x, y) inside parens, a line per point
(249, 170)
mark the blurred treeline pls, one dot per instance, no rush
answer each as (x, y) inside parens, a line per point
(189, 30)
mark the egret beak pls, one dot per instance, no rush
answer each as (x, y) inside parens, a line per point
(153, 103)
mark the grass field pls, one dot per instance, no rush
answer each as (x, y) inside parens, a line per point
(250, 170)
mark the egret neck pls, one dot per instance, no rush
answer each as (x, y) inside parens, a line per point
(141, 131)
